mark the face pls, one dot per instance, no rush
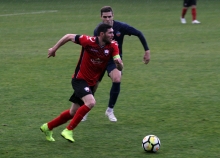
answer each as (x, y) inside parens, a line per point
(108, 36)
(107, 18)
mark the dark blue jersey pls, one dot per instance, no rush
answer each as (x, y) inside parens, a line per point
(120, 30)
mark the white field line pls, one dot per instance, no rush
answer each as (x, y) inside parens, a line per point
(40, 12)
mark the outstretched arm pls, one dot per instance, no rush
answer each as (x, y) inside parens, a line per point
(62, 41)
(133, 31)
(146, 58)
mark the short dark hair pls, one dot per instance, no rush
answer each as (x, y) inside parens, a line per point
(103, 28)
(106, 9)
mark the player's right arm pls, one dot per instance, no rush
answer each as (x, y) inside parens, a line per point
(62, 41)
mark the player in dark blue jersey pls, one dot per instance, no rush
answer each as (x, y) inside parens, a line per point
(120, 30)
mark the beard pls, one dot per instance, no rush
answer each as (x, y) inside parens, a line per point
(105, 39)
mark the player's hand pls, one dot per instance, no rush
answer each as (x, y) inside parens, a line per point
(146, 58)
(51, 53)
(119, 64)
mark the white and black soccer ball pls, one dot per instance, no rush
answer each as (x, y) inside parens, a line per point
(151, 143)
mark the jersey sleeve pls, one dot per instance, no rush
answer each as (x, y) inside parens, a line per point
(82, 40)
(129, 30)
(77, 39)
(115, 53)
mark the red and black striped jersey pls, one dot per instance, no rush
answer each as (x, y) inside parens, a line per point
(93, 59)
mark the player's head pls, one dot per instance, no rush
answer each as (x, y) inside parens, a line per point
(107, 15)
(105, 33)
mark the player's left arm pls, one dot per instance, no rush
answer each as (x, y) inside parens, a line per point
(118, 62)
(146, 58)
(133, 31)
(116, 57)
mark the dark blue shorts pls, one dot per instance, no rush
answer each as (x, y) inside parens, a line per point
(81, 89)
(188, 3)
(111, 66)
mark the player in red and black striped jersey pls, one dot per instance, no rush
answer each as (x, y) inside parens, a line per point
(95, 54)
(93, 59)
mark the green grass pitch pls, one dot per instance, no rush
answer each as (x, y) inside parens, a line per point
(176, 96)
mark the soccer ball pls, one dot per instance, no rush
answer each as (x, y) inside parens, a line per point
(151, 143)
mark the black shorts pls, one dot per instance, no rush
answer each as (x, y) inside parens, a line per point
(188, 3)
(81, 89)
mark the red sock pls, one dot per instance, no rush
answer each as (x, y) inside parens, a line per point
(184, 12)
(194, 13)
(80, 113)
(61, 119)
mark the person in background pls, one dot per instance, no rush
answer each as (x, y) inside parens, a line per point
(186, 5)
